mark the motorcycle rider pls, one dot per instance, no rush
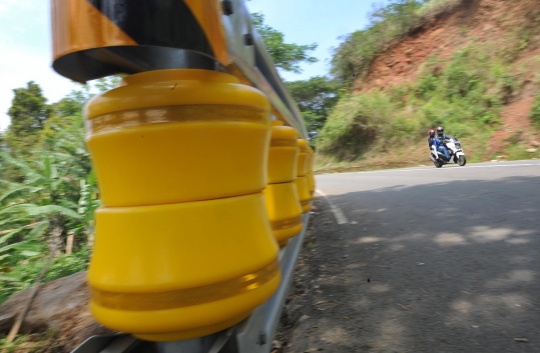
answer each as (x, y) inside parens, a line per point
(439, 142)
(431, 138)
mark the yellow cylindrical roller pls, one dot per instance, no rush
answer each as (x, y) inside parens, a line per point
(182, 269)
(302, 157)
(184, 247)
(284, 211)
(311, 183)
(282, 203)
(283, 155)
(164, 136)
(309, 174)
(302, 185)
(303, 193)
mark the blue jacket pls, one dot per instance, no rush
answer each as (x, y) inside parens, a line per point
(439, 140)
(430, 141)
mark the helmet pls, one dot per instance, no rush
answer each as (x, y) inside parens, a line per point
(431, 132)
(440, 130)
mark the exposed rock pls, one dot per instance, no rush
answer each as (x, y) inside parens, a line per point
(532, 150)
(535, 143)
(60, 306)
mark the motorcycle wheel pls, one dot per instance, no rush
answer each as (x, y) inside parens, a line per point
(437, 164)
(462, 161)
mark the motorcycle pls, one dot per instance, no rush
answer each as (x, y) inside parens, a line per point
(455, 152)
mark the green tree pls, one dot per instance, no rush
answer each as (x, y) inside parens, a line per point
(107, 83)
(28, 112)
(52, 187)
(315, 98)
(73, 103)
(54, 201)
(50, 203)
(286, 56)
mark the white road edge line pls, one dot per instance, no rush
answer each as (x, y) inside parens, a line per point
(501, 165)
(338, 213)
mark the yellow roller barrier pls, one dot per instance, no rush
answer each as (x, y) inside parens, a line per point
(282, 203)
(183, 244)
(302, 183)
(177, 136)
(303, 147)
(303, 193)
(283, 154)
(309, 174)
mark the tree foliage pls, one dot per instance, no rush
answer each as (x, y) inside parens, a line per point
(28, 112)
(107, 83)
(52, 196)
(286, 56)
(72, 104)
(315, 98)
(55, 200)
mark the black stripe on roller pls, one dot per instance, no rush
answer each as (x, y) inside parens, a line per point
(166, 23)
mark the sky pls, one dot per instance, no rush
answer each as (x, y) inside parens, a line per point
(26, 50)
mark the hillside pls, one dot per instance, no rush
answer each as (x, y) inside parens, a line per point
(471, 66)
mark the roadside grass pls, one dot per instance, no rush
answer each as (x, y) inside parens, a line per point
(32, 343)
(417, 154)
(519, 152)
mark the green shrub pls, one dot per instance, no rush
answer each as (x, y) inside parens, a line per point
(427, 86)
(535, 112)
(355, 123)
(434, 6)
(399, 94)
(401, 126)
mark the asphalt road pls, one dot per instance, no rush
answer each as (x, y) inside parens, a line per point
(423, 260)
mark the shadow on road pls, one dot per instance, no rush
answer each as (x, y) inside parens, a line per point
(444, 267)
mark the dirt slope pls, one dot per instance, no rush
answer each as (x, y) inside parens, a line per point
(448, 30)
(445, 32)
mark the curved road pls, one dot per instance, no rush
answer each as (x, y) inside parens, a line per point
(423, 260)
